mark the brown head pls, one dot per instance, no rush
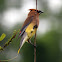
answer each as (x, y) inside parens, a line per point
(34, 12)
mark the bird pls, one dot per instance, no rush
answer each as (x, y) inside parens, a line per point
(29, 27)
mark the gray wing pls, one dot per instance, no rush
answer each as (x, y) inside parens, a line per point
(23, 39)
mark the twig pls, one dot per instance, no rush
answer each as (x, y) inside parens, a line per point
(35, 39)
(36, 4)
(35, 48)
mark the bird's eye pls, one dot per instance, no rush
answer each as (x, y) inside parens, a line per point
(31, 10)
(35, 10)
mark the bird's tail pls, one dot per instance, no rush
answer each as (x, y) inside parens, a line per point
(24, 38)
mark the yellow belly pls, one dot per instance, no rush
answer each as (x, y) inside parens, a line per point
(30, 31)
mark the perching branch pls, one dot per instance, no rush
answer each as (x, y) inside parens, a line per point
(35, 48)
(35, 39)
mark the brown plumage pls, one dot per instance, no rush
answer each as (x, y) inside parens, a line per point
(32, 13)
(30, 26)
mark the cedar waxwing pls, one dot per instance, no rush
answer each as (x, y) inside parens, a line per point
(29, 27)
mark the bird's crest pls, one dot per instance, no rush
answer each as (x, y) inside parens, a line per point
(33, 10)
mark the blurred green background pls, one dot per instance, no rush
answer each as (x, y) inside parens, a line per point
(49, 34)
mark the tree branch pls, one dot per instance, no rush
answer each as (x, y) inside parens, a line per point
(35, 48)
(35, 38)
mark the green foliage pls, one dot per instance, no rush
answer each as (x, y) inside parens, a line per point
(1, 48)
(11, 38)
(2, 36)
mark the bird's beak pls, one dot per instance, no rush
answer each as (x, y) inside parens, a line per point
(40, 12)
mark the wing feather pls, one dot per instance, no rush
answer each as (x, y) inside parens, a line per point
(26, 23)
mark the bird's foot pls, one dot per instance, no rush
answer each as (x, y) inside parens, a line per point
(29, 41)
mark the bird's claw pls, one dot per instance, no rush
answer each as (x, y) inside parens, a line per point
(32, 43)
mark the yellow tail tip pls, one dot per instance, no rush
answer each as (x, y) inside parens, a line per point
(18, 50)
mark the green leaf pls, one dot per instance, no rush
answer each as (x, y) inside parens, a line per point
(2, 36)
(1, 48)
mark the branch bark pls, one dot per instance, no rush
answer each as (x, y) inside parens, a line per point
(35, 39)
(35, 48)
